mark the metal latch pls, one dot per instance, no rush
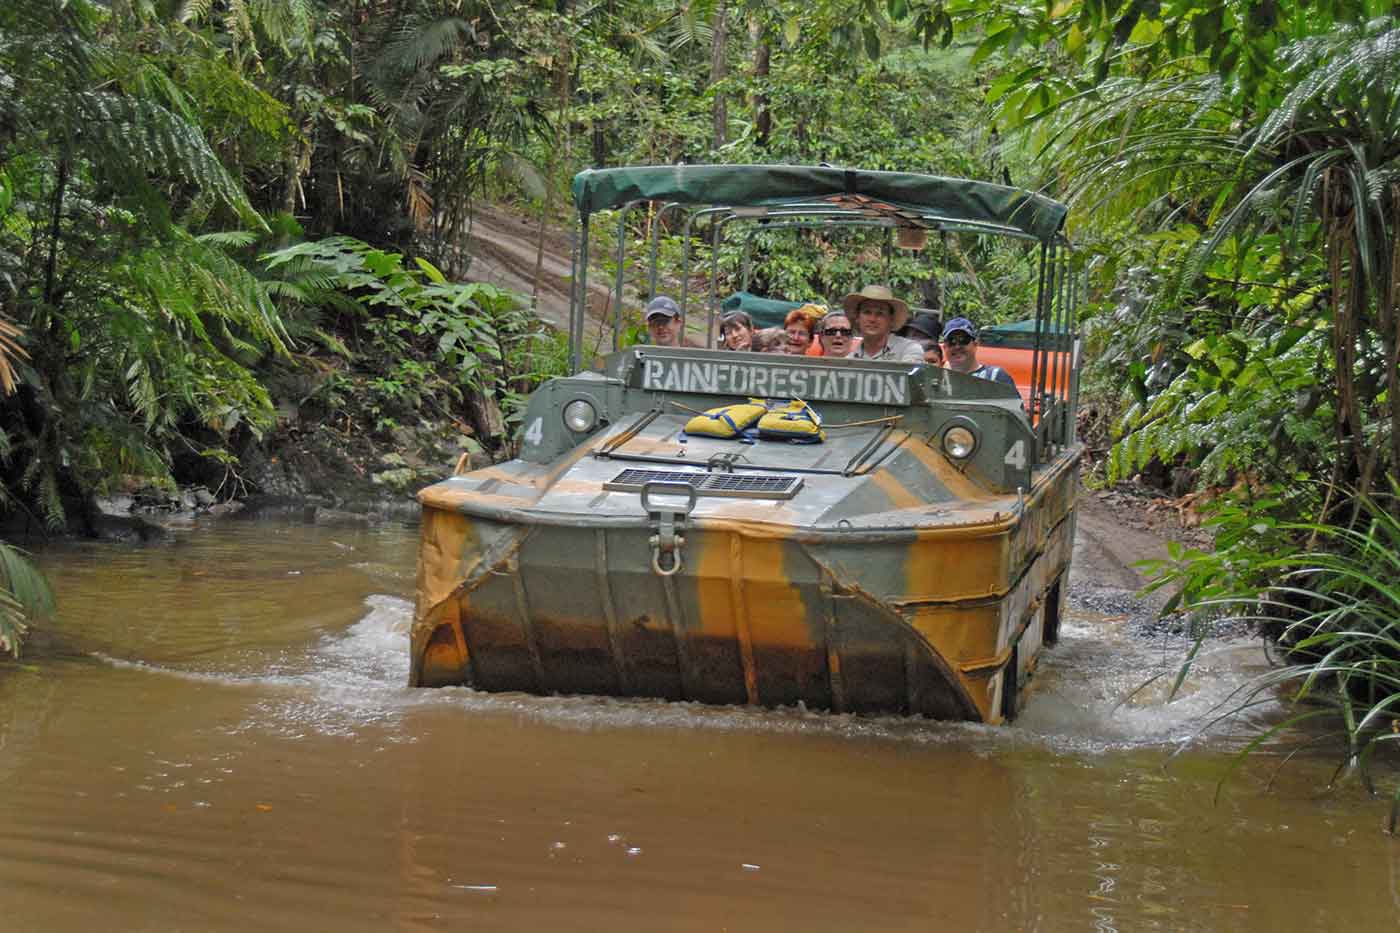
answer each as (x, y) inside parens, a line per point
(667, 524)
(724, 462)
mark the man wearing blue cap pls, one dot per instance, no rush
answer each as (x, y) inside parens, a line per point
(663, 320)
(960, 352)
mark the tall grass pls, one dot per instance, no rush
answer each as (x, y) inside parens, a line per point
(1333, 610)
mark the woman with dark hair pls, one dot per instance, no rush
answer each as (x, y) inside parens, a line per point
(736, 331)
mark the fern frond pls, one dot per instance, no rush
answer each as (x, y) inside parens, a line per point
(50, 499)
(139, 139)
(1360, 59)
(228, 239)
(13, 624)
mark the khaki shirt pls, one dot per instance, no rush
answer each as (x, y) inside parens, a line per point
(895, 350)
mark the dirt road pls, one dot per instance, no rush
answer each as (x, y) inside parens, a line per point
(504, 245)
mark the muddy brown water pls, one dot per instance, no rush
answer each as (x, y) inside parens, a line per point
(215, 734)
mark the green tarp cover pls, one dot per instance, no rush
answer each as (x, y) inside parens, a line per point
(766, 312)
(1019, 327)
(931, 196)
(1021, 334)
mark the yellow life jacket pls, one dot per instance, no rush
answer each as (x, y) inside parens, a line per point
(795, 422)
(727, 421)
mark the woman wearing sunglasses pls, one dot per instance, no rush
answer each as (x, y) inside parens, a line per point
(837, 336)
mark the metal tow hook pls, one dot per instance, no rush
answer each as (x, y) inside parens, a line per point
(667, 523)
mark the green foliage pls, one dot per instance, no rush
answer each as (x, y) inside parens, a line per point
(141, 333)
(1269, 204)
(1209, 415)
(24, 596)
(1254, 348)
(425, 337)
(910, 110)
(1239, 40)
(1234, 165)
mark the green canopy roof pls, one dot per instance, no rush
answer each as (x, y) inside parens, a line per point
(900, 196)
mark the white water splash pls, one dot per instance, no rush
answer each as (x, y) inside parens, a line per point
(1089, 693)
(1104, 686)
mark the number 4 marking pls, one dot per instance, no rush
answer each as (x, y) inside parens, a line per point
(1016, 456)
(535, 432)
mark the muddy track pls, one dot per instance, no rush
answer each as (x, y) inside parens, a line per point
(504, 244)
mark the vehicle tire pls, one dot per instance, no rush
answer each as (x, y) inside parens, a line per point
(1010, 686)
(1054, 610)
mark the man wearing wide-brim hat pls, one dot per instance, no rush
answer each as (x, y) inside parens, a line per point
(877, 313)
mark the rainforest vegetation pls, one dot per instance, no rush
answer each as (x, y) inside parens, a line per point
(231, 230)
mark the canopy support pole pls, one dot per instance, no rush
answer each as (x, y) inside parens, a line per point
(617, 287)
(1038, 354)
(580, 315)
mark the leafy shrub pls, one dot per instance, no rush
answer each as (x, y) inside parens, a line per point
(423, 335)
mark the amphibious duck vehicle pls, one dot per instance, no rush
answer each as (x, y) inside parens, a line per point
(911, 561)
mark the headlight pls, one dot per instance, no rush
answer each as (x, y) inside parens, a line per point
(580, 416)
(959, 442)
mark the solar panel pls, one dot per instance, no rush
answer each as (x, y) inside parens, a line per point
(728, 485)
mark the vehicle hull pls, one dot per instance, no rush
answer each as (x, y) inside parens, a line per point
(940, 620)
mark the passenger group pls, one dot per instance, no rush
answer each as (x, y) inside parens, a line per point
(871, 324)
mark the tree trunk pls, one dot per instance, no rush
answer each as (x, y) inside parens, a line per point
(600, 146)
(762, 56)
(1388, 315)
(1351, 435)
(55, 233)
(297, 164)
(562, 88)
(717, 71)
(486, 417)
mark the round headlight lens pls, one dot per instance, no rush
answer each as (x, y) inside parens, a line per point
(959, 442)
(580, 416)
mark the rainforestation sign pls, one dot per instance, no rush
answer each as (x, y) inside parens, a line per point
(851, 383)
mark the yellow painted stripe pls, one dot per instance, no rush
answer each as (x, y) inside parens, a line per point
(741, 616)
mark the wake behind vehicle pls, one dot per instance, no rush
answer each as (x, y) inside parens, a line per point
(912, 561)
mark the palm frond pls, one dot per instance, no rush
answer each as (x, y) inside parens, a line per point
(1355, 60)
(10, 351)
(23, 583)
(228, 239)
(418, 44)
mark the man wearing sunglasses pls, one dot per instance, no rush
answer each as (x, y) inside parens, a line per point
(960, 352)
(837, 335)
